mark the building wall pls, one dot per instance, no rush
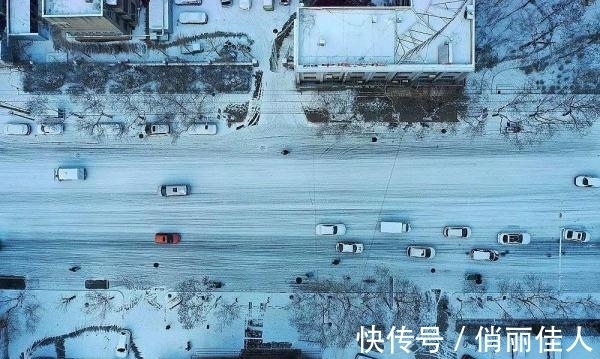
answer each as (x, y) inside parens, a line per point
(115, 21)
(358, 77)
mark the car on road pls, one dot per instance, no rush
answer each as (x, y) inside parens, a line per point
(123, 343)
(587, 181)
(484, 255)
(19, 129)
(460, 232)
(575, 235)
(70, 174)
(420, 252)
(349, 247)
(514, 238)
(245, 4)
(168, 190)
(167, 238)
(50, 128)
(157, 129)
(330, 229)
(394, 227)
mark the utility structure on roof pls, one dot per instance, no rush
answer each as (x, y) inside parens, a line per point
(420, 41)
(93, 19)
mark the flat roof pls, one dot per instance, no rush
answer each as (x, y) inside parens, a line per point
(72, 7)
(426, 33)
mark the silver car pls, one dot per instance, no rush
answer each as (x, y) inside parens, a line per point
(50, 128)
(460, 232)
(420, 252)
(330, 229)
(349, 247)
(587, 181)
(484, 255)
(514, 238)
(174, 190)
(575, 235)
(19, 129)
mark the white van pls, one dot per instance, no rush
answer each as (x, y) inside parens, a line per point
(203, 129)
(193, 18)
(70, 174)
(188, 2)
(394, 227)
(268, 5)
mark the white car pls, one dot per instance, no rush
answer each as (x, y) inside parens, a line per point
(575, 235)
(330, 229)
(346, 247)
(461, 232)
(245, 4)
(484, 255)
(157, 129)
(420, 252)
(206, 128)
(50, 128)
(173, 190)
(587, 181)
(19, 129)
(514, 238)
(123, 343)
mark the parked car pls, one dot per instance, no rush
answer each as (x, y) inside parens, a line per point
(514, 238)
(420, 252)
(346, 247)
(330, 229)
(189, 17)
(575, 235)
(167, 238)
(245, 4)
(96, 284)
(50, 128)
(168, 190)
(461, 232)
(157, 129)
(587, 181)
(123, 343)
(226, 3)
(19, 129)
(484, 255)
(206, 128)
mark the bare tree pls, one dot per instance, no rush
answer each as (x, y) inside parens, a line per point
(65, 302)
(193, 302)
(331, 313)
(533, 298)
(100, 303)
(228, 312)
(18, 310)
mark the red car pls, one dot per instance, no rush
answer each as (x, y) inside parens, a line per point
(167, 238)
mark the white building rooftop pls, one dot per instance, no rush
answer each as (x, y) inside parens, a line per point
(429, 32)
(72, 7)
(19, 21)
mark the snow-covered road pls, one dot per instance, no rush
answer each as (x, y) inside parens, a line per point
(250, 219)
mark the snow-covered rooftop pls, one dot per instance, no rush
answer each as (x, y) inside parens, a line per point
(417, 34)
(19, 21)
(72, 7)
